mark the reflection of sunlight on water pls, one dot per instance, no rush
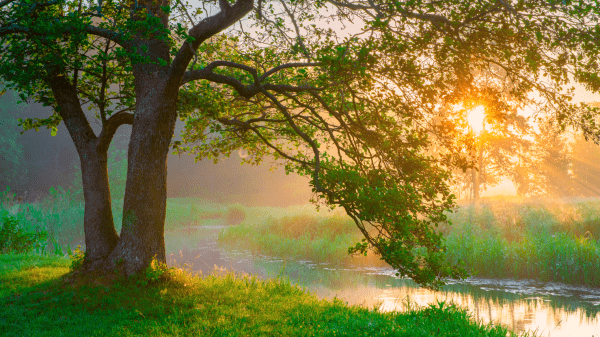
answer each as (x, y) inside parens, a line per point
(551, 309)
(524, 314)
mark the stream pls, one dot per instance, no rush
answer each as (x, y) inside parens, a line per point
(549, 309)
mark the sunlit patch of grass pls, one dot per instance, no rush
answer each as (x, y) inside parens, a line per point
(20, 271)
(221, 304)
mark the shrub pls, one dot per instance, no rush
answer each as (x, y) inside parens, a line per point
(77, 258)
(13, 238)
(235, 215)
(155, 272)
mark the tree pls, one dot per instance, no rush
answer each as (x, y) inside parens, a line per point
(11, 151)
(585, 171)
(117, 175)
(356, 113)
(498, 150)
(546, 169)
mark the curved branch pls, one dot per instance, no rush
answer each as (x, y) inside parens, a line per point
(286, 66)
(248, 126)
(111, 126)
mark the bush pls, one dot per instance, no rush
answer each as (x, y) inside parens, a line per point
(235, 215)
(13, 238)
(77, 258)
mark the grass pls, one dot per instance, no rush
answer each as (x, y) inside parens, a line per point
(61, 215)
(548, 241)
(37, 299)
(303, 236)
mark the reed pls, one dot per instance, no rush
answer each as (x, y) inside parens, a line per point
(548, 241)
(319, 239)
(61, 213)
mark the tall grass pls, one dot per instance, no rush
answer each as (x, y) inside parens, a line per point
(549, 241)
(61, 213)
(319, 239)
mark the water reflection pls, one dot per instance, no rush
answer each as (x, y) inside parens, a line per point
(551, 309)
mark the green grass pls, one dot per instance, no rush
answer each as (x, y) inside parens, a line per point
(37, 300)
(316, 238)
(548, 241)
(61, 215)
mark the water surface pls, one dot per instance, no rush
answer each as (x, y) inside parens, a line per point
(550, 309)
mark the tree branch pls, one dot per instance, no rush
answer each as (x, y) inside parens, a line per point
(246, 91)
(70, 110)
(110, 128)
(204, 30)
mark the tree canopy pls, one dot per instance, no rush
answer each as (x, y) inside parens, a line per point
(350, 93)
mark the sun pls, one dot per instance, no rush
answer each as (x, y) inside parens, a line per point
(475, 118)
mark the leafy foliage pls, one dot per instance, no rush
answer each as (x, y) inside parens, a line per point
(77, 257)
(14, 238)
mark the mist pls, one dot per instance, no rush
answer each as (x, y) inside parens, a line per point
(51, 162)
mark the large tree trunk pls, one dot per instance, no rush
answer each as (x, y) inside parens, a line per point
(156, 91)
(144, 207)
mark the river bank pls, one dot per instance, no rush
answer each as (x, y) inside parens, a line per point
(37, 300)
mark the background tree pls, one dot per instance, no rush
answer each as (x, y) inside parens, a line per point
(546, 166)
(584, 159)
(356, 113)
(11, 150)
(498, 152)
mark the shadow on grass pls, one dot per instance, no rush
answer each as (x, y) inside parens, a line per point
(38, 298)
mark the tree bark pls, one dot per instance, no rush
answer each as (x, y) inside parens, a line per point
(144, 207)
(100, 234)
